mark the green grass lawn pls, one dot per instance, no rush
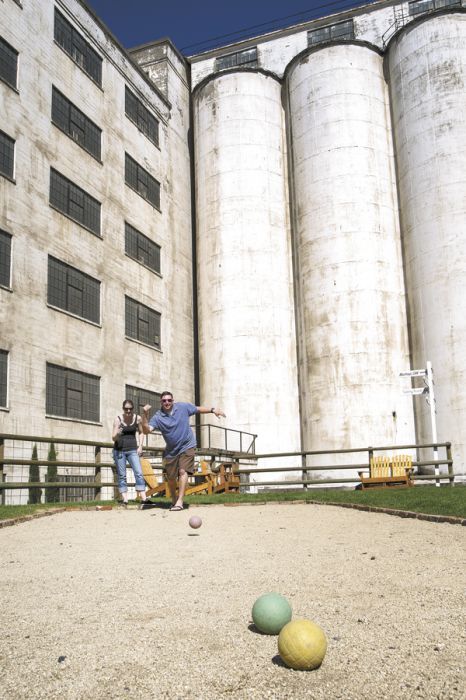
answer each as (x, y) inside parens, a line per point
(421, 499)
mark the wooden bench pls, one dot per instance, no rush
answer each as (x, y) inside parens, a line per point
(388, 472)
(208, 479)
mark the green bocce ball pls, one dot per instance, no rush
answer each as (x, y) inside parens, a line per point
(271, 612)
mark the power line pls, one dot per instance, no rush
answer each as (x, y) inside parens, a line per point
(340, 6)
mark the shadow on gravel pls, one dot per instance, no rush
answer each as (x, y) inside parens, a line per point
(278, 661)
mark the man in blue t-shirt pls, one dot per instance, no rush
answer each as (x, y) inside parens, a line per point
(178, 458)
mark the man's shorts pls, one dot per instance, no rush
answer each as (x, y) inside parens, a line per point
(172, 465)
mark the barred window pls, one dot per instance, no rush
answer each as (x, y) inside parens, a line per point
(141, 181)
(141, 397)
(5, 259)
(72, 394)
(77, 48)
(74, 494)
(73, 290)
(75, 124)
(3, 378)
(7, 155)
(419, 6)
(142, 323)
(141, 248)
(140, 115)
(8, 63)
(74, 202)
(341, 30)
(248, 58)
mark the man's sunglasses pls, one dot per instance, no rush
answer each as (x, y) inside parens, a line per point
(167, 401)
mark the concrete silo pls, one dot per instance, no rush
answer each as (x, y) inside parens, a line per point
(352, 326)
(247, 339)
(426, 70)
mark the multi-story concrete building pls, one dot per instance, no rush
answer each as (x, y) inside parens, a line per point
(310, 179)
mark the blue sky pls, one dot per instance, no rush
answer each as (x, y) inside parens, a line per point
(187, 22)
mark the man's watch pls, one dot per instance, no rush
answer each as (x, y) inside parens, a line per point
(212, 410)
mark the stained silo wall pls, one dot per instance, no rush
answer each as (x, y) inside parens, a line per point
(352, 328)
(426, 66)
(247, 340)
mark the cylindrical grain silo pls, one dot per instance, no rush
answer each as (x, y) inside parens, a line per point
(352, 327)
(426, 68)
(247, 339)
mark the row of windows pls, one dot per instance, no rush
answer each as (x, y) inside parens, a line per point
(419, 6)
(248, 57)
(75, 202)
(331, 32)
(137, 246)
(66, 115)
(73, 394)
(77, 293)
(66, 196)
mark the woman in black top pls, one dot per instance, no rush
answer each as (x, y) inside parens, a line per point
(128, 440)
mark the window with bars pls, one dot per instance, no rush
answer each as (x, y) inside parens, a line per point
(419, 6)
(5, 259)
(141, 181)
(72, 290)
(142, 323)
(8, 63)
(332, 32)
(141, 248)
(141, 397)
(75, 124)
(74, 494)
(140, 115)
(7, 155)
(3, 378)
(248, 58)
(77, 48)
(74, 202)
(72, 394)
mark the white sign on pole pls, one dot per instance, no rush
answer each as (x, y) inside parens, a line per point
(416, 391)
(414, 373)
(428, 390)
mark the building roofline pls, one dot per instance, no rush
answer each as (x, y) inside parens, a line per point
(292, 29)
(125, 52)
(163, 40)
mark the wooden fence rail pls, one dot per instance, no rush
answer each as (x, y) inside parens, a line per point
(246, 465)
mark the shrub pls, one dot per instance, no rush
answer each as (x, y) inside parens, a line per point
(35, 493)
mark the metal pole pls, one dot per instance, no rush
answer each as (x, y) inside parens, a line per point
(431, 401)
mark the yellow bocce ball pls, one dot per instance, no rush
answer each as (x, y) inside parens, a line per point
(302, 645)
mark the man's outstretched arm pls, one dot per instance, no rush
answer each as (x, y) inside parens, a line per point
(216, 411)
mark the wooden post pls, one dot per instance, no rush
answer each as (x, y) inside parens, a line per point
(451, 474)
(304, 475)
(98, 473)
(2, 475)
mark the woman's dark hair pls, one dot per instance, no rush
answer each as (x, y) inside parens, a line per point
(128, 403)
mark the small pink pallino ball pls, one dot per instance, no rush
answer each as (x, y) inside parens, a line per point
(195, 522)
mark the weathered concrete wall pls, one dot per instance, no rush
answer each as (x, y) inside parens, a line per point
(34, 333)
(352, 326)
(427, 76)
(246, 315)
(170, 74)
